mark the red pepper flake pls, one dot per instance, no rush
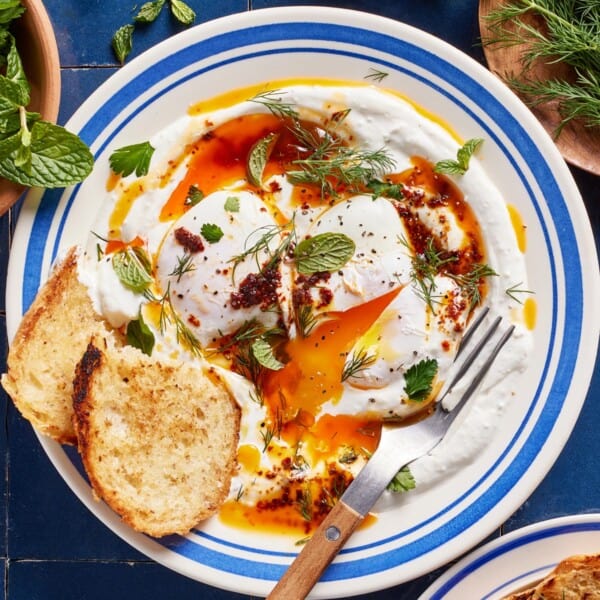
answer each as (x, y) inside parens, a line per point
(257, 289)
(190, 241)
(193, 320)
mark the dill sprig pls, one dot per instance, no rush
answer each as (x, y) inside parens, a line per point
(185, 264)
(570, 35)
(168, 316)
(273, 101)
(262, 246)
(358, 362)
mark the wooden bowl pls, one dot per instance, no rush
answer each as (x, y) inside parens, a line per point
(39, 53)
(577, 143)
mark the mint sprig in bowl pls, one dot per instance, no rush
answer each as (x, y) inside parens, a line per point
(33, 150)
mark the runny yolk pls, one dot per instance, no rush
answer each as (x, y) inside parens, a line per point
(313, 374)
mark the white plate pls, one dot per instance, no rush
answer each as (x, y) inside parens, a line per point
(517, 560)
(412, 537)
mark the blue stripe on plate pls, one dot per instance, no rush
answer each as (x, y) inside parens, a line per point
(501, 117)
(507, 547)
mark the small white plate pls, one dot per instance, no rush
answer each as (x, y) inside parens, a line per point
(517, 560)
(430, 527)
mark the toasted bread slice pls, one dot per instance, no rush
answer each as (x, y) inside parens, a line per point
(575, 578)
(49, 342)
(158, 440)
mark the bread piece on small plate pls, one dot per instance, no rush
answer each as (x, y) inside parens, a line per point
(158, 439)
(49, 342)
(575, 578)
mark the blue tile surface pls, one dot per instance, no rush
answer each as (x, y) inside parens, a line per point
(56, 549)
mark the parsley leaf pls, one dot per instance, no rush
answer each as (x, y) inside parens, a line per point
(140, 336)
(463, 157)
(128, 159)
(403, 481)
(194, 195)
(419, 379)
(386, 189)
(232, 204)
(323, 252)
(212, 233)
(122, 42)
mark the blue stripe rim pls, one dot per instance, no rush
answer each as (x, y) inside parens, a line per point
(507, 547)
(434, 64)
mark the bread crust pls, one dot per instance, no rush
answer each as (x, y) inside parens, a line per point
(158, 440)
(574, 578)
(51, 338)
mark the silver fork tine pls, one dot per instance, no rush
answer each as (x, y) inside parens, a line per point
(452, 413)
(468, 361)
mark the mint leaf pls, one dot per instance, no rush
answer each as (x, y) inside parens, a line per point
(149, 11)
(122, 42)
(419, 379)
(16, 74)
(58, 158)
(128, 159)
(182, 12)
(140, 336)
(463, 157)
(212, 233)
(10, 10)
(258, 157)
(323, 252)
(11, 122)
(263, 353)
(402, 482)
(232, 204)
(132, 267)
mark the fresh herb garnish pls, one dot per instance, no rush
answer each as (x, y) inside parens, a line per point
(168, 316)
(513, 290)
(463, 157)
(266, 257)
(194, 196)
(136, 157)
(419, 379)
(211, 233)
(122, 41)
(305, 319)
(140, 336)
(33, 152)
(425, 266)
(263, 353)
(185, 264)
(232, 204)
(132, 267)
(358, 361)
(331, 162)
(182, 12)
(385, 189)
(323, 252)
(149, 12)
(258, 158)
(469, 282)
(272, 100)
(569, 36)
(376, 75)
(403, 481)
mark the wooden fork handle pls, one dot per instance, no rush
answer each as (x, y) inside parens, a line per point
(317, 553)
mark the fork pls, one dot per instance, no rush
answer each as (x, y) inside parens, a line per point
(399, 446)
